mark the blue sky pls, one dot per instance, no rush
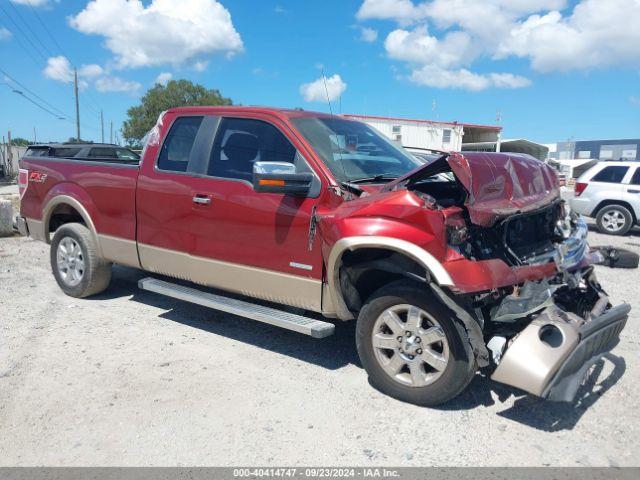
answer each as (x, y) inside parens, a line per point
(555, 69)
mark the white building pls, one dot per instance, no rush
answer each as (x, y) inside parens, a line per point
(429, 134)
(450, 136)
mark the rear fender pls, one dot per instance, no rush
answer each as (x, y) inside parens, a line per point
(76, 198)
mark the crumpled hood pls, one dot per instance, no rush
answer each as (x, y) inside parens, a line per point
(499, 184)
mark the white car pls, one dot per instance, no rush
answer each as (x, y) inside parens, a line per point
(610, 193)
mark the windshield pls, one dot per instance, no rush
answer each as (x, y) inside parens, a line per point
(354, 151)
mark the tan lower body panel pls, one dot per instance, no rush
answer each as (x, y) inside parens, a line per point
(119, 250)
(254, 282)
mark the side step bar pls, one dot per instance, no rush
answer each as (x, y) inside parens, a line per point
(290, 321)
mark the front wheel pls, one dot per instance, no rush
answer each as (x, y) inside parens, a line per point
(412, 346)
(76, 264)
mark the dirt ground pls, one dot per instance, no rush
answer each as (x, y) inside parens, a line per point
(131, 378)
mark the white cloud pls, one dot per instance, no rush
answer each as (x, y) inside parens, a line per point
(201, 65)
(437, 77)
(5, 34)
(163, 78)
(116, 84)
(546, 32)
(316, 92)
(417, 46)
(591, 37)
(162, 32)
(400, 10)
(469, 14)
(90, 71)
(368, 35)
(441, 63)
(60, 69)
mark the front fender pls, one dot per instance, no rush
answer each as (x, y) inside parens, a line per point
(337, 306)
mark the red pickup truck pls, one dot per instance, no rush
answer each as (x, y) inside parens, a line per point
(465, 262)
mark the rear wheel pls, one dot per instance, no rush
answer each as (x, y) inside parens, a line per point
(412, 347)
(614, 220)
(75, 262)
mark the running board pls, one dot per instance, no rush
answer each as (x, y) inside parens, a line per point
(290, 321)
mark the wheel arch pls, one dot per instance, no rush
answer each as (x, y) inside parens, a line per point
(67, 205)
(413, 253)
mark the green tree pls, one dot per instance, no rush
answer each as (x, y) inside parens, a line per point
(176, 93)
(20, 142)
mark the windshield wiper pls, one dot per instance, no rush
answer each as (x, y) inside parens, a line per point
(376, 178)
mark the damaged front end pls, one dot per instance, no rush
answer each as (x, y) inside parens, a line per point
(543, 336)
(528, 278)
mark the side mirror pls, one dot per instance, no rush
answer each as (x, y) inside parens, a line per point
(281, 177)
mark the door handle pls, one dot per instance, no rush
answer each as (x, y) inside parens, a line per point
(202, 200)
(633, 191)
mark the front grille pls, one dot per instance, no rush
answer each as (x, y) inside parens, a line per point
(529, 236)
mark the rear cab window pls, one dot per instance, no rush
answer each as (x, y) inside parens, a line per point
(635, 180)
(611, 174)
(64, 152)
(99, 152)
(176, 149)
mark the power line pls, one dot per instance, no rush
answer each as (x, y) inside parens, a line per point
(34, 102)
(40, 106)
(32, 93)
(18, 29)
(46, 29)
(26, 24)
(62, 73)
(42, 50)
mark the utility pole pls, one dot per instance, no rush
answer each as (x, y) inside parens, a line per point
(35, 137)
(111, 131)
(75, 89)
(9, 155)
(102, 125)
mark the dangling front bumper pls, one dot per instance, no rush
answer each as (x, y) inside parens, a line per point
(551, 356)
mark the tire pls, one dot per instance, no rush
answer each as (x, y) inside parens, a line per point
(76, 266)
(434, 386)
(614, 220)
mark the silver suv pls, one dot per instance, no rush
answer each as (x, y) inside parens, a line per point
(610, 193)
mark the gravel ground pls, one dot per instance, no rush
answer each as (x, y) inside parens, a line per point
(131, 378)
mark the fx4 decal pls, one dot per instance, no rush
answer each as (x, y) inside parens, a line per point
(37, 177)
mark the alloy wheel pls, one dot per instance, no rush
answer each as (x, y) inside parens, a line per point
(70, 261)
(613, 220)
(410, 345)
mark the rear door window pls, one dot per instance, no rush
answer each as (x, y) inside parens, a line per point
(176, 149)
(611, 174)
(635, 180)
